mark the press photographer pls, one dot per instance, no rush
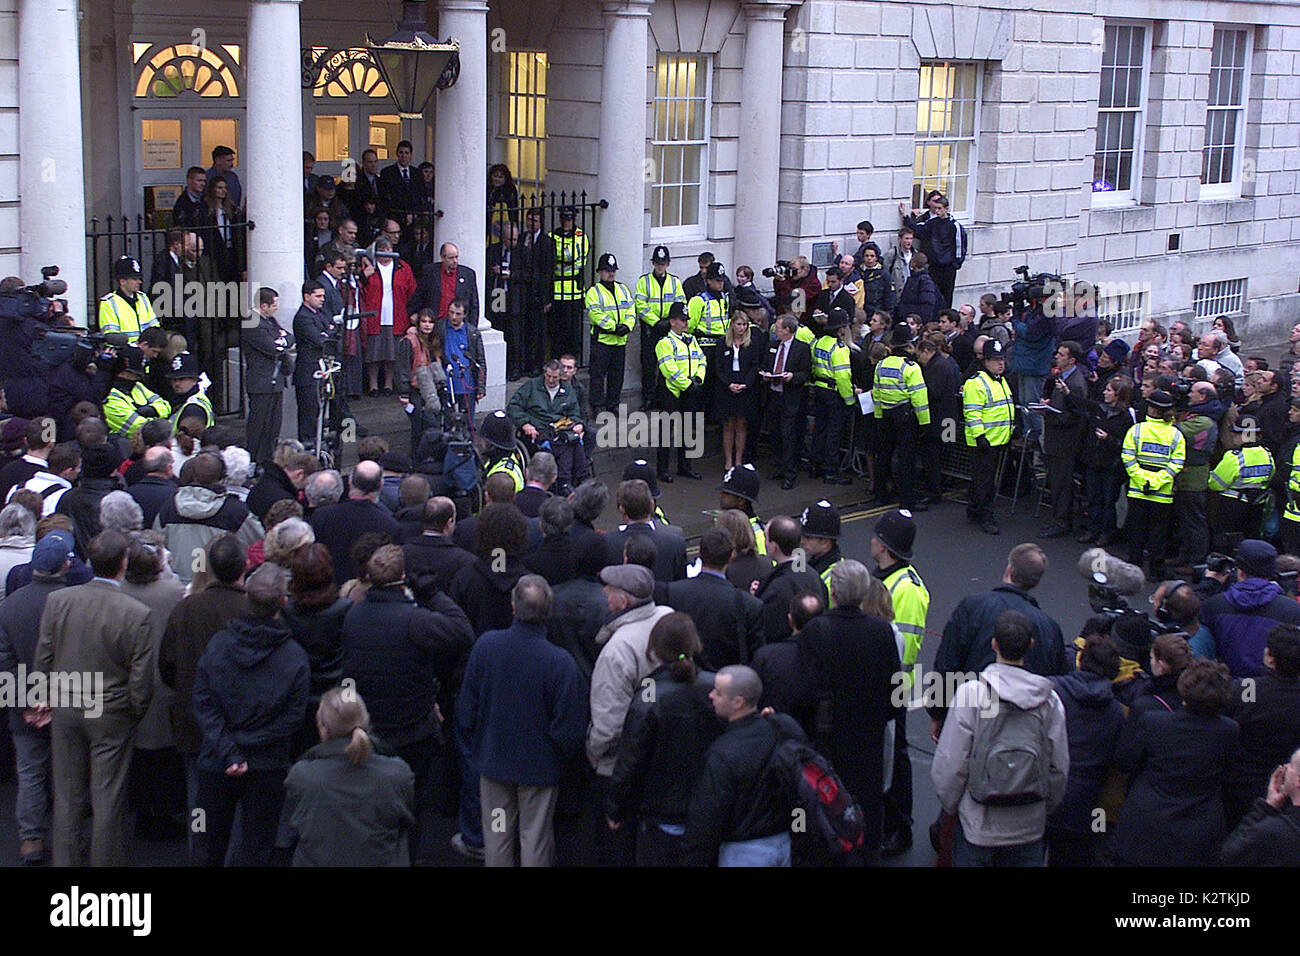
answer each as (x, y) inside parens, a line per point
(794, 286)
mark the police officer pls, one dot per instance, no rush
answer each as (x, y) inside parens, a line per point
(832, 385)
(710, 313)
(496, 437)
(130, 403)
(612, 315)
(1241, 479)
(739, 490)
(1290, 523)
(891, 548)
(642, 469)
(681, 369)
(1153, 453)
(989, 411)
(188, 400)
(819, 541)
(902, 405)
(656, 291)
(568, 254)
(126, 309)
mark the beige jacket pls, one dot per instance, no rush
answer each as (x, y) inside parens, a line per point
(621, 667)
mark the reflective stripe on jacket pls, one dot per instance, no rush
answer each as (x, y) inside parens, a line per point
(988, 408)
(1152, 454)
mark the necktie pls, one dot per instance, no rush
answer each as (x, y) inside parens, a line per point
(406, 176)
(780, 360)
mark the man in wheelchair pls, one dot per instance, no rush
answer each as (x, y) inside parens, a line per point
(546, 414)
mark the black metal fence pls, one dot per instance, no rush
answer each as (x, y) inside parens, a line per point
(203, 296)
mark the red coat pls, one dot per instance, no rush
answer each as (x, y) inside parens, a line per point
(372, 297)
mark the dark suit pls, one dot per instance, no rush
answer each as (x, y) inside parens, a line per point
(670, 547)
(727, 618)
(429, 292)
(309, 330)
(267, 368)
(432, 561)
(784, 408)
(333, 294)
(400, 195)
(530, 270)
(529, 501)
(165, 269)
(190, 212)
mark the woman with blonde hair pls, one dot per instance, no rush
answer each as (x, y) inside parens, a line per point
(346, 802)
(285, 538)
(735, 365)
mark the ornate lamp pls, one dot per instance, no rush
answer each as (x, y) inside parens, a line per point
(413, 63)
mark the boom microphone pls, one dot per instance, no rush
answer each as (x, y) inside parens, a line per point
(1096, 566)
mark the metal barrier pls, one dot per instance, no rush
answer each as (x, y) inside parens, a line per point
(203, 296)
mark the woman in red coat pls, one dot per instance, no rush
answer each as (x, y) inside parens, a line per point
(388, 286)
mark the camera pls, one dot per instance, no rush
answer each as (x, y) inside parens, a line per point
(1032, 290)
(783, 269)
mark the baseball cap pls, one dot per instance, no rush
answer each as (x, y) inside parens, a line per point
(52, 551)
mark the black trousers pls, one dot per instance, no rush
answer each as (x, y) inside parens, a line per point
(1060, 486)
(685, 403)
(650, 380)
(1147, 530)
(259, 795)
(898, 798)
(829, 415)
(931, 439)
(1290, 531)
(897, 434)
(983, 470)
(422, 756)
(945, 277)
(1234, 516)
(513, 327)
(782, 416)
(564, 328)
(607, 365)
(264, 414)
(1193, 528)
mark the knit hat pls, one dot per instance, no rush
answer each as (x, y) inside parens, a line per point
(1257, 559)
(12, 434)
(1117, 349)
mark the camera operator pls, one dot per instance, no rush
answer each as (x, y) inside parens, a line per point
(126, 309)
(27, 315)
(794, 286)
(1239, 619)
(1197, 421)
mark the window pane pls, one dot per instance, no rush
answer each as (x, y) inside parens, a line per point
(331, 138)
(385, 134)
(160, 142)
(218, 132)
(691, 164)
(690, 214)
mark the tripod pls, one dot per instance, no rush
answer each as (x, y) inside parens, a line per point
(329, 440)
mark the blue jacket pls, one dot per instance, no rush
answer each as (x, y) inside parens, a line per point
(250, 696)
(522, 710)
(1032, 352)
(1241, 617)
(1093, 722)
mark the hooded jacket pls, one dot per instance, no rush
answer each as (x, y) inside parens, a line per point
(1240, 618)
(996, 825)
(1035, 343)
(1094, 720)
(1201, 432)
(620, 668)
(250, 695)
(196, 516)
(484, 593)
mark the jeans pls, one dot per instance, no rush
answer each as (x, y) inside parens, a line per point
(1100, 490)
(1021, 854)
(765, 851)
(471, 822)
(32, 808)
(259, 796)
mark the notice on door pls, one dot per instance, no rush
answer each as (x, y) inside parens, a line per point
(162, 154)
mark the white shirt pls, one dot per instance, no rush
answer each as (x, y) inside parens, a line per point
(43, 480)
(385, 268)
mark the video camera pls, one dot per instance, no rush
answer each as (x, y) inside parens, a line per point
(1109, 581)
(35, 301)
(1030, 290)
(784, 269)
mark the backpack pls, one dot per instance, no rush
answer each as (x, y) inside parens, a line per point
(808, 782)
(1008, 758)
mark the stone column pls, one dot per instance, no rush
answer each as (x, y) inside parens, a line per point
(758, 173)
(52, 214)
(460, 158)
(273, 181)
(621, 167)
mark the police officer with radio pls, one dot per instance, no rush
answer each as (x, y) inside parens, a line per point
(188, 399)
(655, 293)
(496, 438)
(1241, 480)
(710, 313)
(682, 367)
(819, 538)
(833, 396)
(1153, 453)
(612, 315)
(989, 411)
(130, 403)
(902, 406)
(739, 490)
(126, 309)
(566, 256)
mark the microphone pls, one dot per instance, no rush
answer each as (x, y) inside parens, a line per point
(1096, 566)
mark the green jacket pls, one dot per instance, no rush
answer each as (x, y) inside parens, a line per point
(531, 405)
(1195, 475)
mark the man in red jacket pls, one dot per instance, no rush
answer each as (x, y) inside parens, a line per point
(796, 293)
